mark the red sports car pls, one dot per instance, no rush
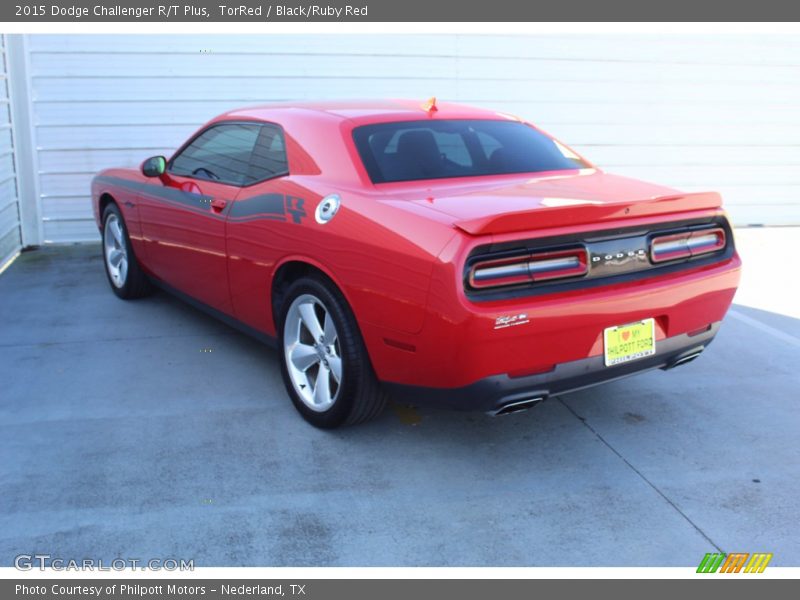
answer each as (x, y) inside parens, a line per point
(432, 252)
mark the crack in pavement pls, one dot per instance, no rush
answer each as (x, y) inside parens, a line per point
(639, 473)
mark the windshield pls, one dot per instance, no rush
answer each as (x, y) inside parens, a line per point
(412, 150)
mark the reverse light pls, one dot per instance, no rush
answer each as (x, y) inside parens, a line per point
(528, 268)
(687, 244)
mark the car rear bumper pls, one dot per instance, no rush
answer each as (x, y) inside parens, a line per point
(500, 393)
(464, 343)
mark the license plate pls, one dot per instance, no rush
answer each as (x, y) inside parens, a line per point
(624, 343)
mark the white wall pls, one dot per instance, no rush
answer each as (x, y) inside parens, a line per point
(696, 112)
(9, 209)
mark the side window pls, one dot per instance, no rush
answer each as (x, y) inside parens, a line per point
(269, 155)
(221, 153)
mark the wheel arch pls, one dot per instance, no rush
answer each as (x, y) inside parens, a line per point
(103, 201)
(292, 268)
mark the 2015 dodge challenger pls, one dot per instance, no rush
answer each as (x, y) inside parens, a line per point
(433, 252)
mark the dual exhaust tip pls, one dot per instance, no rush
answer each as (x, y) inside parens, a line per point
(521, 404)
(518, 405)
(682, 360)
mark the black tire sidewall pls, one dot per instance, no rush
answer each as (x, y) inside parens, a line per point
(349, 343)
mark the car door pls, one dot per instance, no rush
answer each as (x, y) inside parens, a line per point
(262, 227)
(183, 220)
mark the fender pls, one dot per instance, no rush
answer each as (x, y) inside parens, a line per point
(314, 263)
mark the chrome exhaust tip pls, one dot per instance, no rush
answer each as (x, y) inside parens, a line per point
(517, 406)
(684, 359)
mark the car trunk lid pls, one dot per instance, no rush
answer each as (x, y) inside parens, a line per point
(552, 200)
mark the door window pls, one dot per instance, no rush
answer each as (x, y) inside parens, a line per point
(236, 153)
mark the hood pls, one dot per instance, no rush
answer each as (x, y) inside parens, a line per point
(554, 200)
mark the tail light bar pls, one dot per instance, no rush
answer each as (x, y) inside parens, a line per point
(687, 244)
(529, 267)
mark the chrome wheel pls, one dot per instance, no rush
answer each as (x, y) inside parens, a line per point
(116, 252)
(312, 351)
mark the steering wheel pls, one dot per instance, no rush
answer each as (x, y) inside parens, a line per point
(206, 173)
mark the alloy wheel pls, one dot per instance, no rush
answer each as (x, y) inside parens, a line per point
(116, 252)
(313, 354)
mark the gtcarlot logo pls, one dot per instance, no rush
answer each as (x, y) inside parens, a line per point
(29, 562)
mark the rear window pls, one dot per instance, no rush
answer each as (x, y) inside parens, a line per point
(412, 150)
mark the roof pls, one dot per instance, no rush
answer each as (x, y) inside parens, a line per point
(365, 110)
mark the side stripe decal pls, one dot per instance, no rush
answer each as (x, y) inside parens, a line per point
(161, 192)
(268, 205)
(276, 207)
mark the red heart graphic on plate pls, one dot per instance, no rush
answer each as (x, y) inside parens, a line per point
(626, 335)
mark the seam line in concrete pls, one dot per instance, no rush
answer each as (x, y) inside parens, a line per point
(640, 474)
(781, 335)
(121, 339)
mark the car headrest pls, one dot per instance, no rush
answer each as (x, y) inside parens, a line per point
(419, 146)
(499, 160)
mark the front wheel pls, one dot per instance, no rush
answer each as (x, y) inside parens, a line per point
(126, 278)
(324, 362)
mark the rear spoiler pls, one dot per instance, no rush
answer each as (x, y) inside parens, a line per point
(544, 217)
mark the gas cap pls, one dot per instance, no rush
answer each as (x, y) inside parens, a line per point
(327, 208)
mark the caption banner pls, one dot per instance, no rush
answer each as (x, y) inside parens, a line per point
(348, 589)
(400, 10)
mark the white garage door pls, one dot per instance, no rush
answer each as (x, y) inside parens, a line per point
(10, 239)
(696, 112)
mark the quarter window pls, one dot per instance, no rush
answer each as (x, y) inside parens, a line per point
(269, 155)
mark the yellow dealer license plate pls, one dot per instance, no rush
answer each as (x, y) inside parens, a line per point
(629, 342)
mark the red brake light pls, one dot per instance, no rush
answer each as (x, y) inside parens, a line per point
(527, 268)
(703, 242)
(686, 245)
(558, 265)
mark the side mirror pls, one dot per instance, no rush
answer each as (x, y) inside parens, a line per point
(154, 166)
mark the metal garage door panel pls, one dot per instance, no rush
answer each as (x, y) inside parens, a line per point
(10, 235)
(696, 112)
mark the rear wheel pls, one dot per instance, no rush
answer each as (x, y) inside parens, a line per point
(324, 362)
(126, 278)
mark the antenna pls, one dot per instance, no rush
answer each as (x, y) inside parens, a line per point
(430, 106)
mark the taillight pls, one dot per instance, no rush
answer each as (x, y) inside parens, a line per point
(528, 268)
(687, 244)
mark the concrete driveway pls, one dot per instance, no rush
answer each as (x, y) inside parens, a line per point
(147, 430)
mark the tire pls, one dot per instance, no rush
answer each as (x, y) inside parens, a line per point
(321, 350)
(122, 269)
